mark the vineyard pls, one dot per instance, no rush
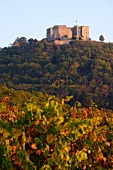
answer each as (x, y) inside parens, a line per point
(55, 136)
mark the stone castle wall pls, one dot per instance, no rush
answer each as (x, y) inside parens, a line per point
(61, 42)
(85, 32)
(62, 31)
(59, 31)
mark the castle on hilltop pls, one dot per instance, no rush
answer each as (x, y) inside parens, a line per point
(66, 34)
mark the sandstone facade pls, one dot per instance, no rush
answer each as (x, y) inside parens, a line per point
(62, 32)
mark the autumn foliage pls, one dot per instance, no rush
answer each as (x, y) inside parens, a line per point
(55, 136)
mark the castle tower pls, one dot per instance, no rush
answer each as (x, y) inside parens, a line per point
(49, 34)
(75, 32)
(84, 32)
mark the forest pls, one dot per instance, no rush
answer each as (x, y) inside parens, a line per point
(56, 109)
(82, 69)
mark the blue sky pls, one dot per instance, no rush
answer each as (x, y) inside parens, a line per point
(31, 18)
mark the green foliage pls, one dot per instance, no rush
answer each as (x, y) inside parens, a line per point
(55, 136)
(101, 38)
(83, 69)
(19, 97)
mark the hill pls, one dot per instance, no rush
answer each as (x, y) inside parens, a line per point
(83, 69)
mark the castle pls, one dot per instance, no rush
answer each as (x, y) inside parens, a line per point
(62, 33)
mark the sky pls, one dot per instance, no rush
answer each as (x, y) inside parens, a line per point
(31, 18)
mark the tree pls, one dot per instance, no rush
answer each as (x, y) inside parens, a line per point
(20, 41)
(101, 38)
(32, 41)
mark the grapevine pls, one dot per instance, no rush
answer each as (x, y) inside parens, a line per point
(55, 136)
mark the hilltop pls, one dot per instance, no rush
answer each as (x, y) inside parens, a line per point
(82, 69)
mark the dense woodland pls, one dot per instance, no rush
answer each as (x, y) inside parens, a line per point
(82, 69)
(49, 118)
